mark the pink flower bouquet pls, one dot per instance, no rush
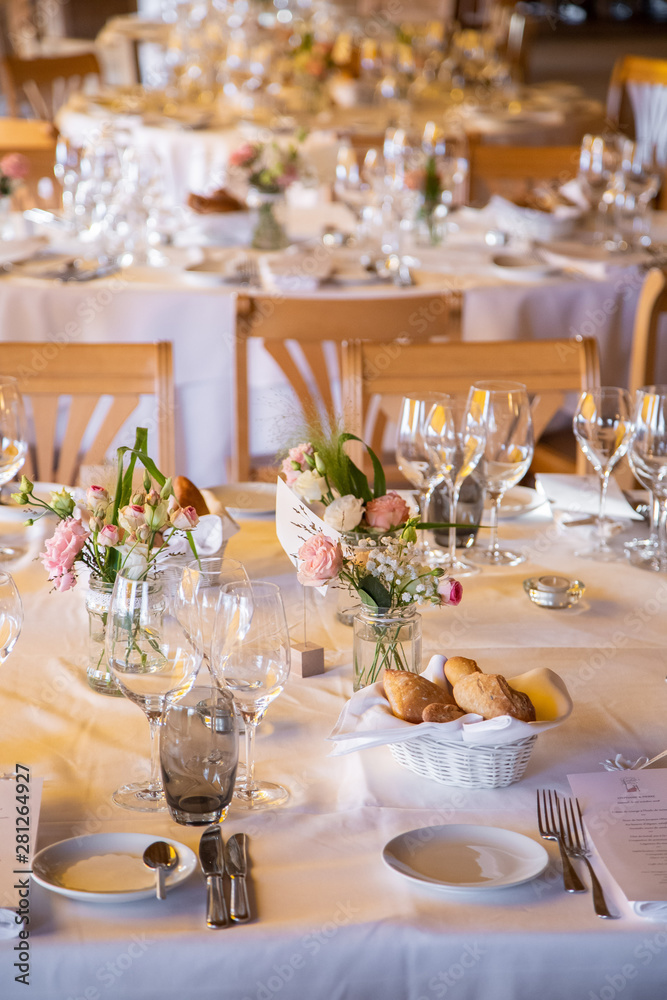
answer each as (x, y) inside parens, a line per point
(110, 535)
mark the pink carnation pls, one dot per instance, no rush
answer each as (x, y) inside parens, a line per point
(298, 455)
(15, 166)
(68, 539)
(320, 560)
(450, 591)
(386, 512)
(242, 156)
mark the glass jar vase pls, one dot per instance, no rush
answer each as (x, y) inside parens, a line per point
(386, 637)
(269, 232)
(98, 601)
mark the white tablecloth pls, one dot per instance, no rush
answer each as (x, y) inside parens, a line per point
(333, 922)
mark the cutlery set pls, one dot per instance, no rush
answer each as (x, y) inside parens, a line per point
(215, 860)
(562, 821)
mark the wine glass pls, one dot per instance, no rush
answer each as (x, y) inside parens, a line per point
(454, 436)
(13, 441)
(598, 160)
(11, 614)
(645, 552)
(253, 662)
(152, 659)
(504, 411)
(414, 459)
(603, 427)
(199, 592)
(649, 453)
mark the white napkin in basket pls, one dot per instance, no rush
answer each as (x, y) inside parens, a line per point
(367, 720)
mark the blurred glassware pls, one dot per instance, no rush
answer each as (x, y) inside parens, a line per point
(202, 581)
(649, 453)
(13, 446)
(598, 161)
(645, 552)
(630, 193)
(503, 408)
(11, 614)
(603, 427)
(199, 753)
(417, 462)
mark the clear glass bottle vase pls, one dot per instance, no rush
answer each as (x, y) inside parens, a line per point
(386, 637)
(98, 602)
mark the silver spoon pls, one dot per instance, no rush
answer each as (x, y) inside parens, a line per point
(161, 857)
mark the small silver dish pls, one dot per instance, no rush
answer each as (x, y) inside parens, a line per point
(554, 591)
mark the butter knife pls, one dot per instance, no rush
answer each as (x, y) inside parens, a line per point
(213, 866)
(236, 859)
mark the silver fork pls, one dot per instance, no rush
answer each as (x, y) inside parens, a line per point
(550, 827)
(248, 271)
(577, 847)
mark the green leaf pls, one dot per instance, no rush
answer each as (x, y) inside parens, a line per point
(371, 586)
(367, 599)
(379, 480)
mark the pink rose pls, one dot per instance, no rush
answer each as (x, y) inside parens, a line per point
(243, 155)
(110, 535)
(131, 517)
(389, 511)
(68, 539)
(415, 180)
(320, 560)
(97, 498)
(15, 166)
(450, 591)
(184, 518)
(296, 456)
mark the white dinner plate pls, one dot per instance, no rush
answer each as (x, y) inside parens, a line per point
(517, 501)
(522, 267)
(106, 867)
(465, 858)
(247, 499)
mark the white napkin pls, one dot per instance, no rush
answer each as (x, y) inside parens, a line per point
(211, 536)
(530, 222)
(367, 720)
(9, 928)
(581, 495)
(15, 251)
(573, 191)
(295, 271)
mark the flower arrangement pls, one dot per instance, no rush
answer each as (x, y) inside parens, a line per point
(313, 59)
(14, 168)
(110, 535)
(267, 167)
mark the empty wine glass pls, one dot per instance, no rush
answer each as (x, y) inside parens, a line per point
(454, 435)
(11, 615)
(645, 552)
(603, 427)
(253, 662)
(199, 593)
(649, 453)
(598, 159)
(504, 411)
(414, 459)
(151, 658)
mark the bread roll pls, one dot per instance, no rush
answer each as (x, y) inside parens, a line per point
(441, 713)
(188, 495)
(216, 202)
(490, 696)
(457, 667)
(409, 694)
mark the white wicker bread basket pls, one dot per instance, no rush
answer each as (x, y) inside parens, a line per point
(463, 764)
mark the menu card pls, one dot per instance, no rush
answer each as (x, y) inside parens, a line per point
(625, 813)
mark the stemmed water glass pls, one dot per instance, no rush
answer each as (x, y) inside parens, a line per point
(11, 615)
(598, 160)
(455, 435)
(415, 460)
(649, 454)
(152, 659)
(253, 662)
(199, 593)
(503, 409)
(603, 427)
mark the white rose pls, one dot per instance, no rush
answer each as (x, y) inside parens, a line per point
(344, 513)
(310, 485)
(134, 561)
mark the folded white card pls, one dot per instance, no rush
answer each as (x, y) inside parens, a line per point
(625, 813)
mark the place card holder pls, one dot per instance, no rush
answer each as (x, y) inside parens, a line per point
(307, 657)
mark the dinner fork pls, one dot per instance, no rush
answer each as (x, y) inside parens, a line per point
(550, 827)
(248, 271)
(576, 846)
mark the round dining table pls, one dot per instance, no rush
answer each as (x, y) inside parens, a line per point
(329, 918)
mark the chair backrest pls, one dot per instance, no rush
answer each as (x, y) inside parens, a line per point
(645, 83)
(303, 336)
(46, 82)
(652, 306)
(36, 140)
(550, 369)
(49, 371)
(507, 170)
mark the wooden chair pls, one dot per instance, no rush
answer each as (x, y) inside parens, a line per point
(36, 140)
(651, 308)
(638, 94)
(507, 170)
(550, 369)
(46, 82)
(303, 336)
(86, 373)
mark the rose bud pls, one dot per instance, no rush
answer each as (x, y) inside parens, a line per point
(152, 498)
(156, 516)
(63, 503)
(131, 517)
(109, 536)
(184, 518)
